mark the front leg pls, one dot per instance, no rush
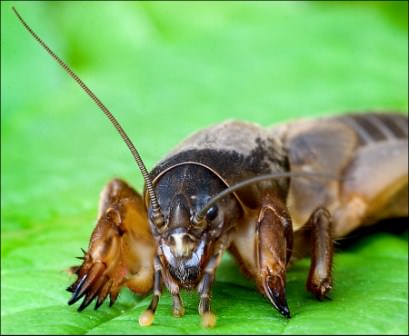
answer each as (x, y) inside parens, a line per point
(147, 316)
(120, 251)
(204, 288)
(161, 275)
(273, 251)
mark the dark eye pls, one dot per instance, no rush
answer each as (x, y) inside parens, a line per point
(212, 213)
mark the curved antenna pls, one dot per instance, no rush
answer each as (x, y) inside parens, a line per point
(157, 214)
(202, 213)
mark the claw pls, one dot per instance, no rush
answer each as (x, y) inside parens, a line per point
(71, 288)
(92, 292)
(74, 285)
(103, 293)
(87, 282)
(98, 304)
(113, 258)
(112, 297)
(275, 290)
(74, 297)
(80, 271)
(85, 303)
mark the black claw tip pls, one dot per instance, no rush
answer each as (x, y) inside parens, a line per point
(70, 288)
(98, 304)
(276, 293)
(84, 304)
(87, 300)
(77, 295)
(82, 307)
(281, 304)
(71, 301)
(285, 312)
(112, 299)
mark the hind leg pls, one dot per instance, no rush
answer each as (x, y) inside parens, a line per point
(319, 280)
(120, 252)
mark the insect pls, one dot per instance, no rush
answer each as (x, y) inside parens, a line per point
(267, 195)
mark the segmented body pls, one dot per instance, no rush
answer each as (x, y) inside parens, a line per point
(262, 224)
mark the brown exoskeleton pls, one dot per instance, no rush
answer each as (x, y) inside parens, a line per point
(250, 190)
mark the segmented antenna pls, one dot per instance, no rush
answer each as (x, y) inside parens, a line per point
(202, 213)
(157, 214)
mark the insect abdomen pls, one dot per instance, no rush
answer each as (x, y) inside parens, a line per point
(368, 151)
(377, 127)
(376, 179)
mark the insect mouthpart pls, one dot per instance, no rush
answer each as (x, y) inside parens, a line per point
(184, 255)
(181, 243)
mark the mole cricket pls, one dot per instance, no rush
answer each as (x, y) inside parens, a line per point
(268, 195)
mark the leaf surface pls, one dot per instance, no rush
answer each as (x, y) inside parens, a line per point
(166, 70)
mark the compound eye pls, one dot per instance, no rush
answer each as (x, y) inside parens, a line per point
(212, 213)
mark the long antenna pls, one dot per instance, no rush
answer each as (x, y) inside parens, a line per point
(157, 214)
(202, 213)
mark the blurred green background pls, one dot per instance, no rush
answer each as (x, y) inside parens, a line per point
(167, 69)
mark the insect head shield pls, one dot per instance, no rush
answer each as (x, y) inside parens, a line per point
(161, 224)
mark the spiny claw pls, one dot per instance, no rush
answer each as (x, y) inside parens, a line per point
(80, 271)
(92, 292)
(275, 291)
(85, 303)
(71, 288)
(78, 285)
(87, 300)
(103, 293)
(93, 285)
(113, 295)
(83, 256)
(114, 259)
(87, 282)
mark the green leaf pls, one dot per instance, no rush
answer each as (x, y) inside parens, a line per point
(167, 69)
